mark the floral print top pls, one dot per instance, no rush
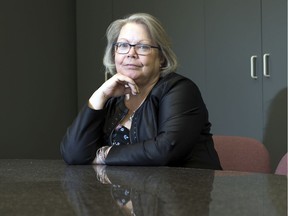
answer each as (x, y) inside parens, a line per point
(120, 136)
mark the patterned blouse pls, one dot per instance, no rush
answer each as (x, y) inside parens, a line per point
(120, 136)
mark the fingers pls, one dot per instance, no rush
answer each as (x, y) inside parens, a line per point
(119, 85)
(134, 88)
(128, 83)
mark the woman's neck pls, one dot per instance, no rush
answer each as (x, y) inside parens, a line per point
(133, 102)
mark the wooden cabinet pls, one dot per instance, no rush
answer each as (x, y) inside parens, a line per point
(233, 36)
(274, 42)
(242, 36)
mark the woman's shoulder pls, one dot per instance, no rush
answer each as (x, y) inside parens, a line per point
(173, 76)
(175, 80)
(175, 86)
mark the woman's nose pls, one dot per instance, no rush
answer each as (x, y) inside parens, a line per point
(132, 51)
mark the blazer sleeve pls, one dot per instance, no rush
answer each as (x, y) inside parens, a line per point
(182, 120)
(82, 138)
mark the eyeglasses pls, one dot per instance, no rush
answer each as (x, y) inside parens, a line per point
(140, 49)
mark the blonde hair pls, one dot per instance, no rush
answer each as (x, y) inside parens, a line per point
(158, 36)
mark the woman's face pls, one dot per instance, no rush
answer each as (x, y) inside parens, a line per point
(144, 70)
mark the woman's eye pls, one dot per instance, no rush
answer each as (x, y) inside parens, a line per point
(123, 45)
(143, 47)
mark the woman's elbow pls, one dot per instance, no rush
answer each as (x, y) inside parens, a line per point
(75, 156)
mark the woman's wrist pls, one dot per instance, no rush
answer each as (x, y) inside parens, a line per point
(97, 100)
(101, 155)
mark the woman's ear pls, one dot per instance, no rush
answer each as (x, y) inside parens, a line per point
(162, 61)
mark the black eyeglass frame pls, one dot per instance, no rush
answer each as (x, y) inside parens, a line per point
(133, 45)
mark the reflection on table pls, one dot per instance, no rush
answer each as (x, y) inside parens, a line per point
(49, 187)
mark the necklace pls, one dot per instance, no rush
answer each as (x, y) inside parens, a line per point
(146, 94)
(132, 115)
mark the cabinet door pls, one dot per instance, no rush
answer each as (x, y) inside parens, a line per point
(184, 23)
(274, 40)
(233, 35)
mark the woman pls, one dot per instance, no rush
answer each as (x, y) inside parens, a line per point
(145, 114)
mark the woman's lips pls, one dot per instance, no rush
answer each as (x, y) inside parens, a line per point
(132, 66)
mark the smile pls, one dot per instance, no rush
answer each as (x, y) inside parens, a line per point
(132, 66)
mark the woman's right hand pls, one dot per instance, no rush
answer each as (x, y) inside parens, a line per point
(116, 86)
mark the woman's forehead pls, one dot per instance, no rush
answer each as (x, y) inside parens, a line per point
(134, 32)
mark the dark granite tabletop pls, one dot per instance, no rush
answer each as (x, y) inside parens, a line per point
(50, 187)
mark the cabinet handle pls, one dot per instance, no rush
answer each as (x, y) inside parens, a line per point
(253, 67)
(266, 65)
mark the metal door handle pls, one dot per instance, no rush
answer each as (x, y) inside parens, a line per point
(266, 65)
(253, 67)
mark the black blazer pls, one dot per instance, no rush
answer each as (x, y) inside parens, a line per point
(171, 128)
